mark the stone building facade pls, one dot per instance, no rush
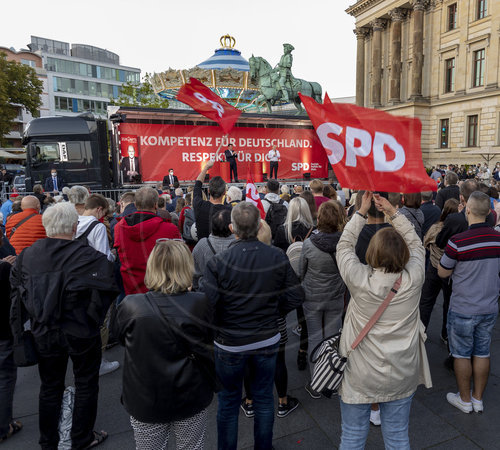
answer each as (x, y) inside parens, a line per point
(437, 60)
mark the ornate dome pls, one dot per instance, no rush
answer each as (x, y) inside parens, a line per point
(226, 57)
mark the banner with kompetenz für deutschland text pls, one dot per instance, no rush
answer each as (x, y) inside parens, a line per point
(185, 148)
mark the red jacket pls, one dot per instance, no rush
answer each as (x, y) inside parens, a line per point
(135, 237)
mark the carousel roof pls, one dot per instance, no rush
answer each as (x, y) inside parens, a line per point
(226, 57)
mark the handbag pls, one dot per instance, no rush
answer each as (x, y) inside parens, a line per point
(207, 370)
(24, 348)
(329, 365)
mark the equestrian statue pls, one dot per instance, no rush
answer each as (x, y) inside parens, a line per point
(278, 85)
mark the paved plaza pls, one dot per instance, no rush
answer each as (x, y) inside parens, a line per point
(315, 424)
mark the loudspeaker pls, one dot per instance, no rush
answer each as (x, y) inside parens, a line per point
(307, 175)
(264, 176)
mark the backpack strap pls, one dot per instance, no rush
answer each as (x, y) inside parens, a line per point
(84, 236)
(18, 225)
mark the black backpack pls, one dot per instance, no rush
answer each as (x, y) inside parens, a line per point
(276, 215)
(189, 220)
(85, 235)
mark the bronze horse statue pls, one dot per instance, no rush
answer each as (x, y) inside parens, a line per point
(267, 79)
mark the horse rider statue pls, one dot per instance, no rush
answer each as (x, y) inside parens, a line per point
(284, 69)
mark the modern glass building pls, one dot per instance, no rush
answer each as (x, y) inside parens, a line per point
(81, 78)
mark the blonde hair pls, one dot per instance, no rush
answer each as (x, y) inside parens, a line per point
(316, 186)
(170, 268)
(298, 211)
(264, 235)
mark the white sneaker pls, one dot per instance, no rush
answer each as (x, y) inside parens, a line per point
(457, 402)
(108, 366)
(375, 417)
(477, 405)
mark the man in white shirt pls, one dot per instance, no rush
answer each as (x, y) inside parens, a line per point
(94, 233)
(274, 157)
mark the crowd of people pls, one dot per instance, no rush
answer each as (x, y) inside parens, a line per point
(202, 291)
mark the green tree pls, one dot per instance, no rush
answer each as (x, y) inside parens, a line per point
(19, 85)
(140, 94)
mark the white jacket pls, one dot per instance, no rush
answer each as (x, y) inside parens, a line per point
(391, 361)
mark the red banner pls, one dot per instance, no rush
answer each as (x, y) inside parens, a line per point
(252, 196)
(208, 104)
(371, 149)
(185, 148)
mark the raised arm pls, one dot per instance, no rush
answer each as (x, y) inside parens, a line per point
(416, 263)
(347, 261)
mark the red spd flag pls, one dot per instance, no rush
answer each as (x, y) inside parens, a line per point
(252, 196)
(208, 104)
(370, 149)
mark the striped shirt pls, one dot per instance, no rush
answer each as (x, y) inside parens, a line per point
(474, 256)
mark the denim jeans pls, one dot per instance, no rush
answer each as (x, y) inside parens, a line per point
(395, 417)
(230, 369)
(8, 375)
(321, 324)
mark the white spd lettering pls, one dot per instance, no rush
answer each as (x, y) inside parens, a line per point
(217, 106)
(297, 167)
(358, 144)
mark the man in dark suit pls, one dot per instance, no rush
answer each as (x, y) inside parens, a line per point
(431, 212)
(231, 157)
(451, 190)
(54, 183)
(170, 180)
(130, 166)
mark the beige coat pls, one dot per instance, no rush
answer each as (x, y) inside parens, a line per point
(391, 361)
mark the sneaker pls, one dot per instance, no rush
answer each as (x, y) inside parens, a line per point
(247, 408)
(108, 366)
(375, 417)
(302, 360)
(477, 405)
(457, 402)
(312, 392)
(297, 330)
(286, 408)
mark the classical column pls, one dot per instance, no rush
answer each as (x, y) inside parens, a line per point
(377, 26)
(360, 66)
(418, 48)
(397, 15)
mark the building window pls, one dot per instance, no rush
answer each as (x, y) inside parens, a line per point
(452, 16)
(472, 129)
(444, 133)
(28, 62)
(449, 85)
(481, 9)
(478, 79)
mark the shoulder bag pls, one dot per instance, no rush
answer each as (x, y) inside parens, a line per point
(329, 365)
(24, 348)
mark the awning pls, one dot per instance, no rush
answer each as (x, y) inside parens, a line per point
(8, 155)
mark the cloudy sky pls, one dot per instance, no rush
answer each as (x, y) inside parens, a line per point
(154, 35)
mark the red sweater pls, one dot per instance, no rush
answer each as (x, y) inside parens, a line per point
(135, 237)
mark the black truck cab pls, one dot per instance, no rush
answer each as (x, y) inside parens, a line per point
(76, 146)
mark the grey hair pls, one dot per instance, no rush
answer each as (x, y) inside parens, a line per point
(234, 193)
(112, 205)
(245, 218)
(285, 189)
(427, 196)
(78, 195)
(60, 219)
(298, 211)
(146, 198)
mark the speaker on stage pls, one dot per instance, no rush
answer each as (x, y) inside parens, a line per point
(307, 176)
